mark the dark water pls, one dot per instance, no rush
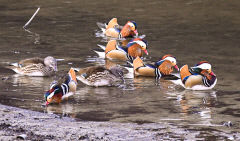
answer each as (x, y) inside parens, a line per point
(191, 30)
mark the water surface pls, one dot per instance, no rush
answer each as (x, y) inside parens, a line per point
(191, 30)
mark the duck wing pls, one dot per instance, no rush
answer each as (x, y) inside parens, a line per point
(166, 67)
(30, 61)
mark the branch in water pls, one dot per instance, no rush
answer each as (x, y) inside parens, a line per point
(31, 18)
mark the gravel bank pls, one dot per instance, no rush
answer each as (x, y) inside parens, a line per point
(40, 126)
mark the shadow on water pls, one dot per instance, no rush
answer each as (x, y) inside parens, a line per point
(191, 30)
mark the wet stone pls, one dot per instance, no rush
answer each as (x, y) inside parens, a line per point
(84, 137)
(6, 110)
(228, 124)
(22, 136)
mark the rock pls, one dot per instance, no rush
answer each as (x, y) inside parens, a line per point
(6, 110)
(22, 136)
(228, 124)
(85, 137)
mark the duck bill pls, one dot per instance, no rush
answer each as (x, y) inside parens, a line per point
(211, 73)
(135, 32)
(146, 52)
(176, 67)
(47, 103)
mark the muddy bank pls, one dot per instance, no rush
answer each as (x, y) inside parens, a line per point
(41, 126)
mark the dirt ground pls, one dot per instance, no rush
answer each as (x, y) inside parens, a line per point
(18, 124)
(21, 124)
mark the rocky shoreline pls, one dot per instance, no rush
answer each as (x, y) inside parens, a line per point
(21, 124)
(16, 123)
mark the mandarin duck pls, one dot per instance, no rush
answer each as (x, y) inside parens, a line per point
(199, 75)
(35, 66)
(163, 67)
(113, 29)
(61, 89)
(100, 76)
(134, 48)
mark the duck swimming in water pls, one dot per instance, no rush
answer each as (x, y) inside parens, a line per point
(134, 48)
(100, 76)
(113, 29)
(35, 66)
(161, 68)
(201, 75)
(61, 89)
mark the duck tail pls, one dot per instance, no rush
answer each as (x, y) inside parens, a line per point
(102, 26)
(130, 72)
(14, 67)
(101, 46)
(101, 54)
(14, 64)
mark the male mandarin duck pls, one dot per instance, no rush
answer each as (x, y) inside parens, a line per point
(201, 74)
(134, 48)
(100, 76)
(62, 88)
(112, 29)
(35, 66)
(161, 68)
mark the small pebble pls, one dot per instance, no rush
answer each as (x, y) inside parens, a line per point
(228, 124)
(22, 136)
(83, 137)
(6, 110)
(5, 78)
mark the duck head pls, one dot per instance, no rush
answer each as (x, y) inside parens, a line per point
(51, 62)
(172, 59)
(129, 29)
(203, 66)
(117, 71)
(53, 95)
(142, 44)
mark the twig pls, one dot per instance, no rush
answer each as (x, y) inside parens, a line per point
(31, 18)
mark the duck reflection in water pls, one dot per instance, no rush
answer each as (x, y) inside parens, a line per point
(30, 82)
(65, 109)
(199, 103)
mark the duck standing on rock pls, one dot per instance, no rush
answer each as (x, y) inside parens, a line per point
(199, 75)
(61, 89)
(161, 68)
(134, 48)
(113, 29)
(100, 76)
(35, 66)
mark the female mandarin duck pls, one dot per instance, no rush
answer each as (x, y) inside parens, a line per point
(112, 29)
(62, 88)
(134, 48)
(161, 68)
(100, 76)
(201, 74)
(36, 66)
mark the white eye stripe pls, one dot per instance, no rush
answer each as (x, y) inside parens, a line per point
(171, 59)
(51, 95)
(141, 43)
(205, 66)
(131, 24)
